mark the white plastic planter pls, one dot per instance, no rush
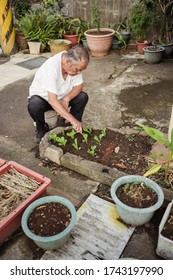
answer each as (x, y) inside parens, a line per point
(165, 245)
(136, 216)
(55, 241)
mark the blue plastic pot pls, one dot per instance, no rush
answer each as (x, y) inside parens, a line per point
(55, 241)
(136, 216)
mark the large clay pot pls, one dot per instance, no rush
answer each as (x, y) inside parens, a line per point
(99, 43)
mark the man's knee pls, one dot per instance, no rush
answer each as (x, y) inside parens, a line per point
(84, 96)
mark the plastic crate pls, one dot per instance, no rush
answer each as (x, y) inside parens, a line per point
(13, 220)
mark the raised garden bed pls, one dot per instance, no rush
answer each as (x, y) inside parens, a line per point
(116, 155)
(19, 186)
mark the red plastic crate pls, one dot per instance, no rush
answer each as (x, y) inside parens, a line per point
(2, 162)
(13, 221)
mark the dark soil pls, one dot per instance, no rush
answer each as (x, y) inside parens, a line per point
(137, 195)
(125, 152)
(99, 33)
(49, 219)
(167, 230)
(116, 150)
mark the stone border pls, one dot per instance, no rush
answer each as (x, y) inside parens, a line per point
(90, 169)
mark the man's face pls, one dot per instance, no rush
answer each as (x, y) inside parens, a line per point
(75, 68)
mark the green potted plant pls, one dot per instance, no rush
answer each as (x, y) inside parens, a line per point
(136, 198)
(38, 27)
(140, 22)
(99, 39)
(162, 25)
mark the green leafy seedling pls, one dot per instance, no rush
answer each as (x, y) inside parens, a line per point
(60, 140)
(71, 134)
(85, 137)
(88, 129)
(103, 132)
(75, 144)
(91, 151)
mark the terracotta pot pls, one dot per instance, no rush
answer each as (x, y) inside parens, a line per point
(141, 45)
(99, 44)
(21, 41)
(73, 38)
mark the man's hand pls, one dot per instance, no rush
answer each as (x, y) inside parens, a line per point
(77, 126)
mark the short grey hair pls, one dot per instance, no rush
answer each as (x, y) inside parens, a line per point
(77, 53)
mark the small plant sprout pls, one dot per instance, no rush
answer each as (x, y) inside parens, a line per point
(91, 151)
(85, 137)
(60, 140)
(71, 134)
(103, 131)
(75, 144)
(88, 129)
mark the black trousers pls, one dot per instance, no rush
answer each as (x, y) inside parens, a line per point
(37, 106)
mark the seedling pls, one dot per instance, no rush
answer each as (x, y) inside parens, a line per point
(88, 129)
(91, 151)
(75, 144)
(60, 140)
(102, 134)
(85, 137)
(129, 137)
(71, 134)
(103, 131)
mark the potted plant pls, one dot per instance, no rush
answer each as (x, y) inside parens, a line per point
(48, 221)
(19, 10)
(38, 27)
(162, 25)
(99, 39)
(136, 198)
(140, 22)
(165, 239)
(58, 45)
(153, 54)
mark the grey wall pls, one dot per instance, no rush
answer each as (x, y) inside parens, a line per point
(112, 10)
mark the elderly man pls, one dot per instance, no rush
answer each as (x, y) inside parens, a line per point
(58, 85)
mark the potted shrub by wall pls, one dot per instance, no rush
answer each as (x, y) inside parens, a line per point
(162, 25)
(49, 221)
(99, 39)
(38, 27)
(140, 22)
(153, 54)
(136, 198)
(165, 239)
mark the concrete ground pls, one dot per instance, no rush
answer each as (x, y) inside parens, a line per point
(122, 89)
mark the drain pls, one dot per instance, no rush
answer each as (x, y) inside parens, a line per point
(105, 170)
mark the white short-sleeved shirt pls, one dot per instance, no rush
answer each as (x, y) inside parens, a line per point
(48, 78)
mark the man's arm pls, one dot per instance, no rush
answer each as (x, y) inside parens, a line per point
(61, 107)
